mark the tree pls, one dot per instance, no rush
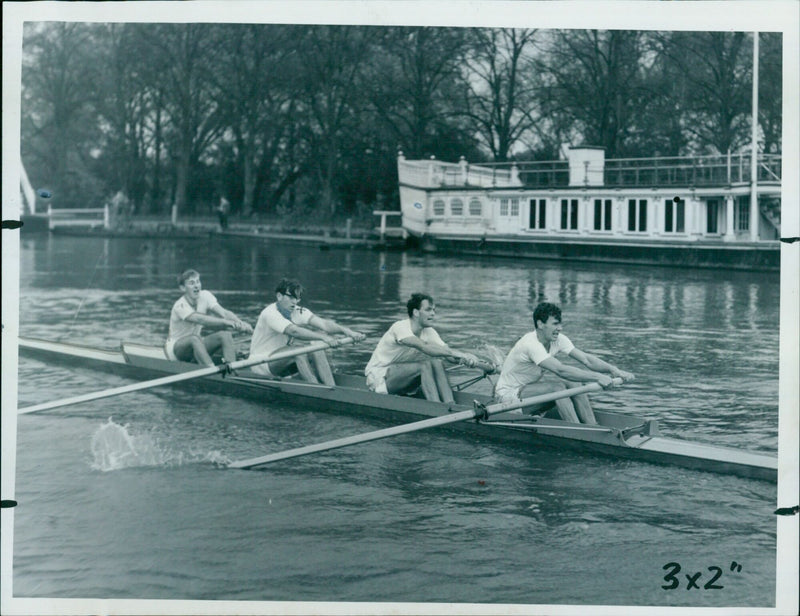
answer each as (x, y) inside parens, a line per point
(714, 71)
(593, 79)
(413, 77)
(124, 103)
(770, 89)
(182, 57)
(58, 127)
(255, 91)
(500, 88)
(333, 59)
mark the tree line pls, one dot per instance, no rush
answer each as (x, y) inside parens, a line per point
(305, 121)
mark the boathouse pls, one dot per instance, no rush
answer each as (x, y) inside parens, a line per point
(698, 210)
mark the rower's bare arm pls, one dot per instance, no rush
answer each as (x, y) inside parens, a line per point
(209, 321)
(572, 373)
(437, 350)
(332, 327)
(598, 365)
(303, 333)
(233, 321)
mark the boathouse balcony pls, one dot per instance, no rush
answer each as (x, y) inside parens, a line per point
(588, 167)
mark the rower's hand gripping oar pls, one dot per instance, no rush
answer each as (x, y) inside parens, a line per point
(224, 368)
(479, 412)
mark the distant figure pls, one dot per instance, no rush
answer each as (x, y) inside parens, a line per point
(282, 324)
(534, 355)
(190, 314)
(120, 210)
(223, 209)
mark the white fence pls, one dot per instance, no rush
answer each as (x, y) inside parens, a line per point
(79, 217)
(385, 231)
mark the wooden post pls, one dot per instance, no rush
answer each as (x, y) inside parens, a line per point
(347, 228)
(106, 217)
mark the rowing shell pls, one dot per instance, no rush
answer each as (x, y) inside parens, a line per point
(618, 435)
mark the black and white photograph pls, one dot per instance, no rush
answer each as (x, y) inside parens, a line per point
(395, 307)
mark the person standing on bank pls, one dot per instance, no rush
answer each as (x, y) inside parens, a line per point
(198, 308)
(282, 323)
(223, 209)
(410, 354)
(534, 355)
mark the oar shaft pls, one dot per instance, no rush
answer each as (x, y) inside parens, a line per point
(354, 440)
(415, 426)
(176, 378)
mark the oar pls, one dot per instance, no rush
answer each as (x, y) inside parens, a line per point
(478, 412)
(183, 376)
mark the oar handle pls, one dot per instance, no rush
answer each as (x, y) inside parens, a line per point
(502, 407)
(183, 376)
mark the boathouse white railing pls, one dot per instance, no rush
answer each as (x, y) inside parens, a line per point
(687, 171)
(78, 217)
(434, 174)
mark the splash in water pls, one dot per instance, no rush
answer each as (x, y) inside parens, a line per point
(492, 353)
(114, 448)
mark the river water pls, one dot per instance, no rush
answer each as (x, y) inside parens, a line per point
(426, 517)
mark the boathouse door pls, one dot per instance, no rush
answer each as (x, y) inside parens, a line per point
(508, 213)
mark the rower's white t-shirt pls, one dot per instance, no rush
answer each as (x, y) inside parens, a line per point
(268, 335)
(389, 350)
(521, 367)
(178, 325)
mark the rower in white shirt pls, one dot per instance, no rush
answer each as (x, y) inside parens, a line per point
(282, 324)
(195, 309)
(534, 355)
(410, 354)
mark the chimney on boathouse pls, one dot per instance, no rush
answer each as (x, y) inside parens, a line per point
(586, 165)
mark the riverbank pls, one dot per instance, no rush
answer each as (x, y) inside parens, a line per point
(324, 236)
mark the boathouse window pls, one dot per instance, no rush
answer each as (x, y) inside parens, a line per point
(712, 215)
(637, 216)
(457, 207)
(475, 207)
(741, 214)
(537, 218)
(438, 207)
(674, 214)
(569, 213)
(602, 215)
(509, 207)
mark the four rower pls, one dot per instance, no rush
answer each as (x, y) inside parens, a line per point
(409, 357)
(188, 317)
(410, 354)
(535, 354)
(284, 322)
